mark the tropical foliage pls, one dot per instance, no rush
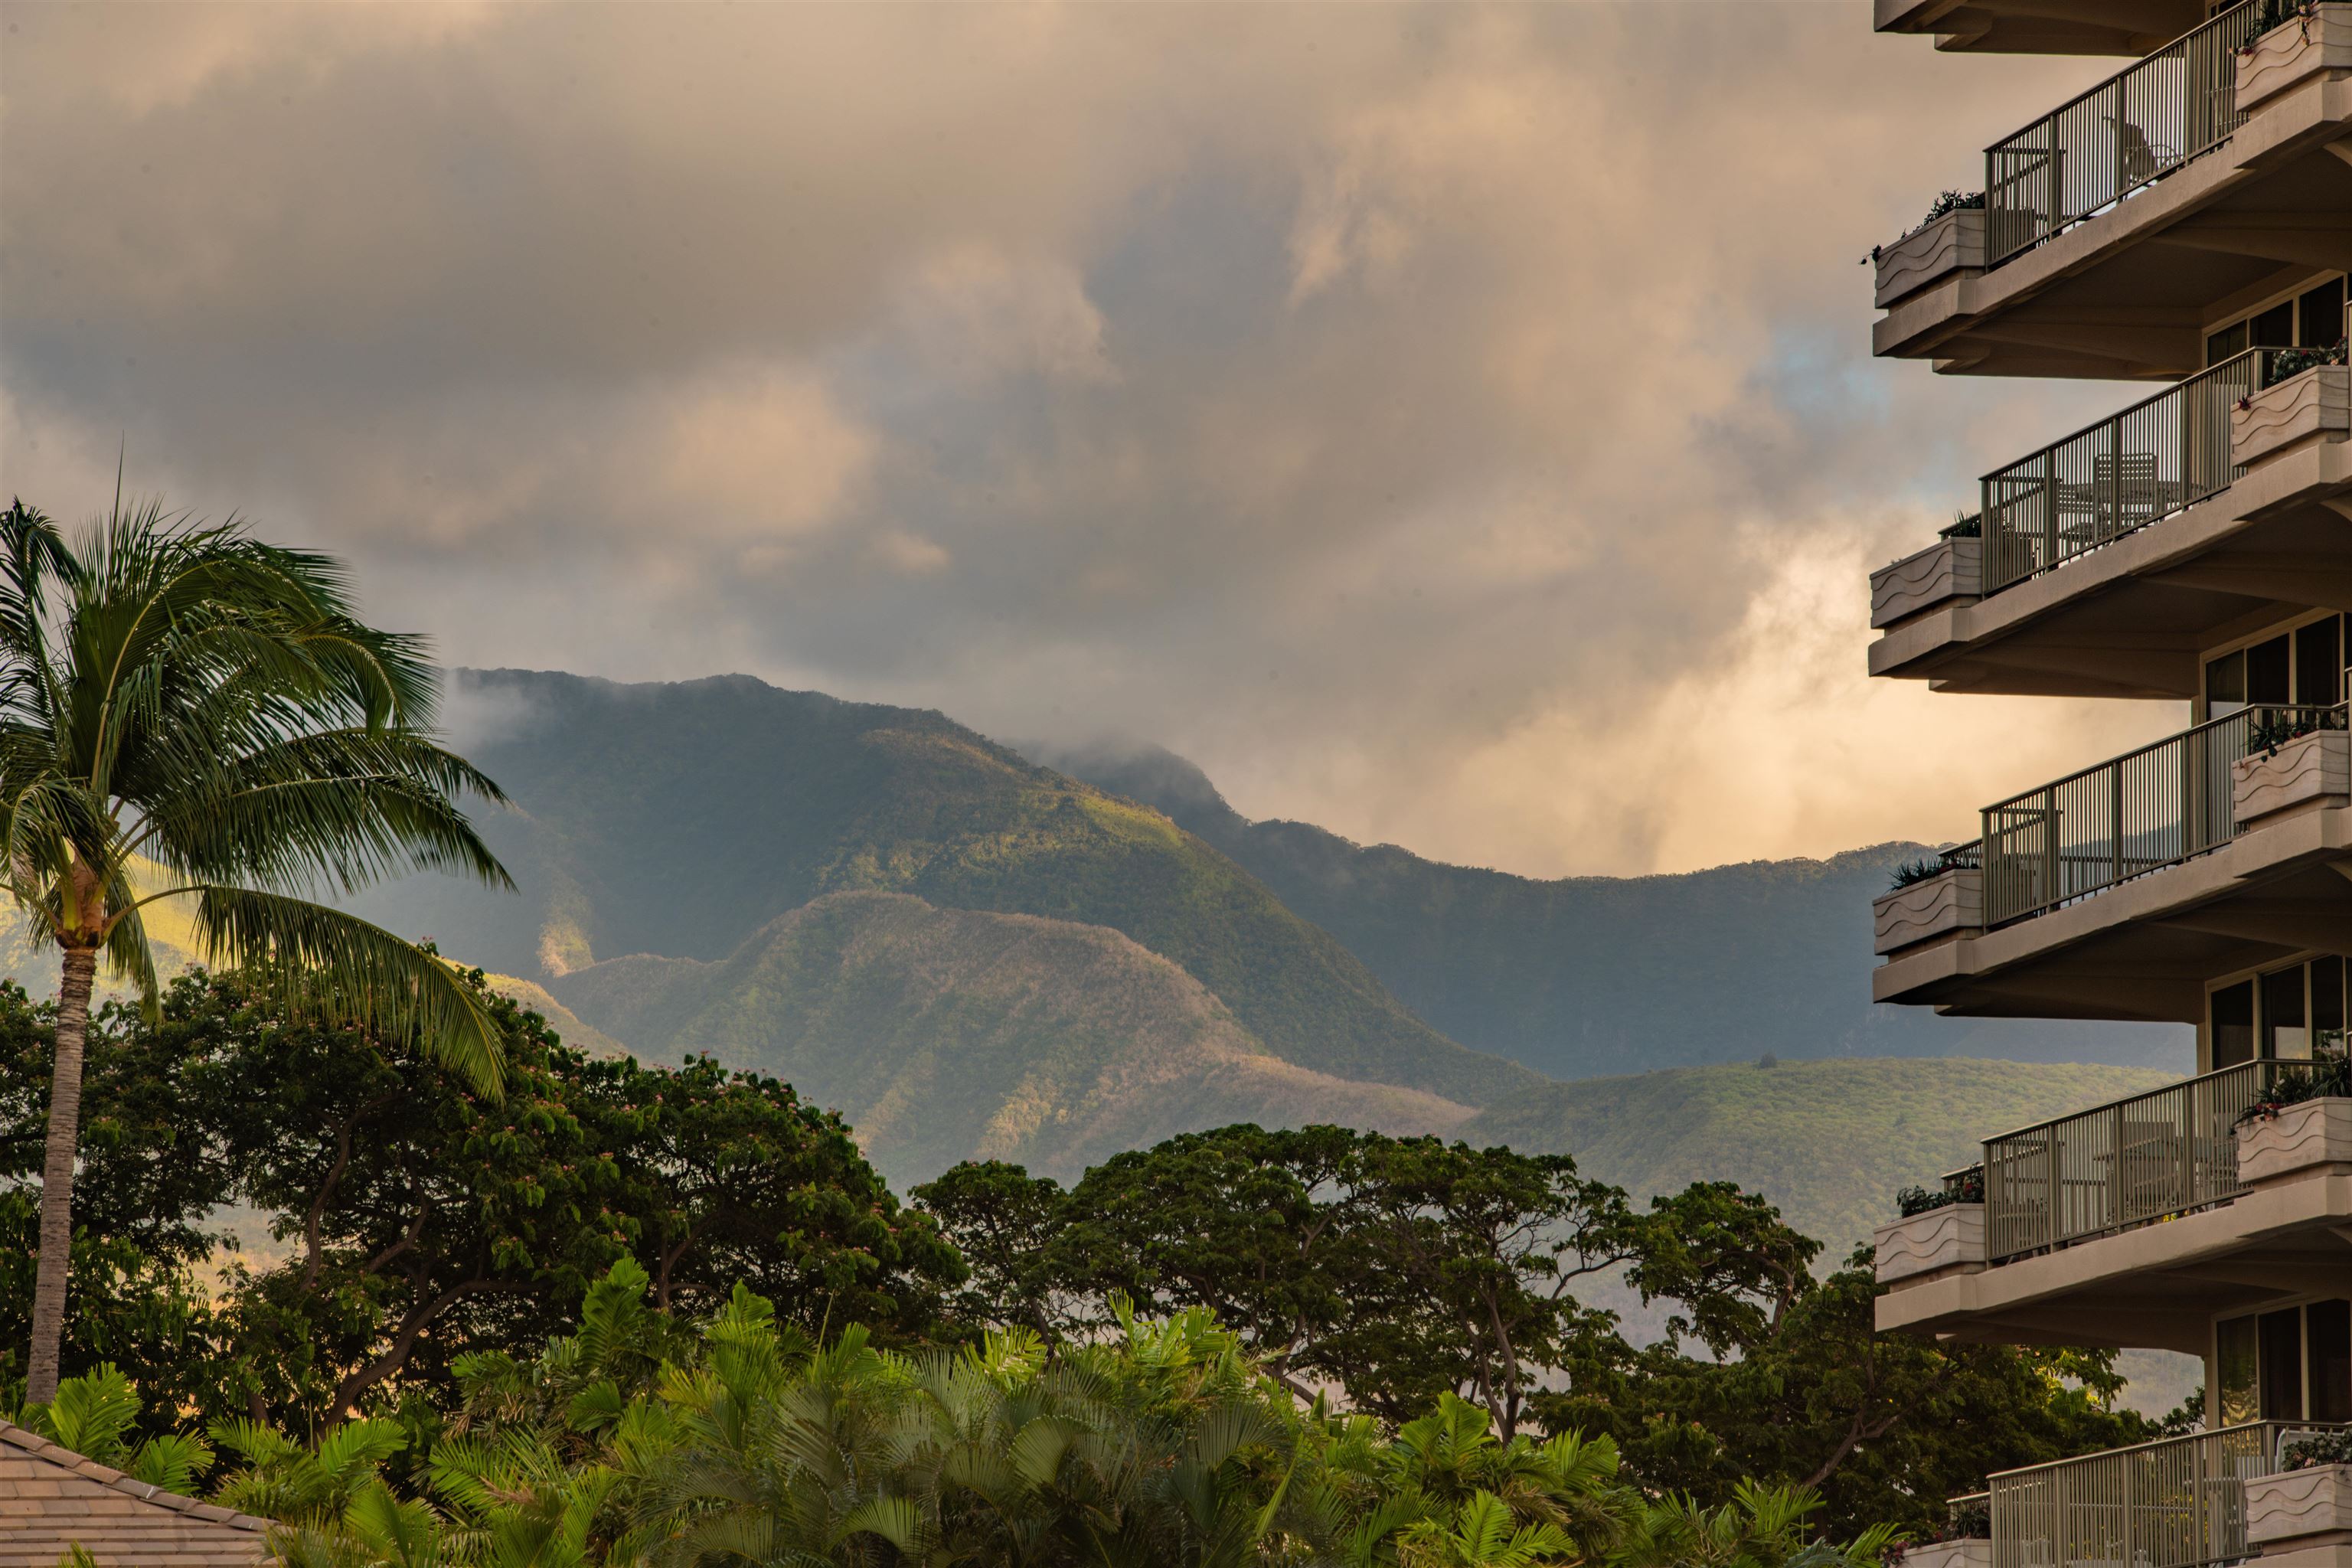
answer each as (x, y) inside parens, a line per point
(188, 713)
(396, 1218)
(642, 1439)
(1410, 1271)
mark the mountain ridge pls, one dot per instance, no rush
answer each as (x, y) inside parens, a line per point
(678, 819)
(1590, 976)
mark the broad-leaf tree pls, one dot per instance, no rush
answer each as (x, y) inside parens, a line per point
(189, 713)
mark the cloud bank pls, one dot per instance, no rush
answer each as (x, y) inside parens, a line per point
(1453, 426)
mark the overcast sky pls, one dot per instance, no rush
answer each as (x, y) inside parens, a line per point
(1452, 425)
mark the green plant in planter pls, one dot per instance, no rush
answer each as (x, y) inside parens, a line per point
(1912, 872)
(1960, 1187)
(1970, 1519)
(2267, 735)
(2321, 1449)
(1946, 204)
(2330, 1078)
(1965, 525)
(2272, 14)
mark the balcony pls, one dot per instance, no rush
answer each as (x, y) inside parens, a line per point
(2119, 890)
(2101, 563)
(2138, 1222)
(2159, 457)
(2179, 1502)
(2117, 226)
(2133, 814)
(2132, 130)
(2153, 1157)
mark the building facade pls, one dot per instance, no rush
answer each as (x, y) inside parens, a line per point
(2184, 222)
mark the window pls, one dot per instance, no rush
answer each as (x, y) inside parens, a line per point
(2313, 319)
(2327, 1004)
(2274, 327)
(2293, 1365)
(2270, 672)
(2285, 1036)
(2319, 316)
(2291, 1014)
(2280, 1334)
(2305, 665)
(2236, 1359)
(2327, 1328)
(2225, 684)
(2319, 663)
(2233, 1024)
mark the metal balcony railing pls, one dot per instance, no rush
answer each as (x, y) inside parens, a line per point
(2128, 133)
(2179, 1502)
(2139, 813)
(2153, 460)
(2169, 1152)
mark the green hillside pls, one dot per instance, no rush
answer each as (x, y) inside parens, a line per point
(1830, 1142)
(1580, 977)
(948, 1034)
(680, 820)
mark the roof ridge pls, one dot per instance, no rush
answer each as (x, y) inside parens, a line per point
(57, 1454)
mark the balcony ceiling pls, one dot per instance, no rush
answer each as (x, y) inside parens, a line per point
(2132, 28)
(2127, 296)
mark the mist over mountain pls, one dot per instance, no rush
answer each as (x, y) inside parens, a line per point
(1588, 977)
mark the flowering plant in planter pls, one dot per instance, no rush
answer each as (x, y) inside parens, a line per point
(2280, 363)
(2284, 362)
(2330, 1078)
(2320, 1449)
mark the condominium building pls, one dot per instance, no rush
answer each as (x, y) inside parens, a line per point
(2184, 222)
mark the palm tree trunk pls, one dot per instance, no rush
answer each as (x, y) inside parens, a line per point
(58, 1175)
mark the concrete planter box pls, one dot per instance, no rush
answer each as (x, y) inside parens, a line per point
(2300, 1505)
(1949, 1554)
(1953, 243)
(2287, 56)
(1945, 905)
(2303, 775)
(2315, 405)
(1948, 1240)
(1947, 571)
(2298, 1141)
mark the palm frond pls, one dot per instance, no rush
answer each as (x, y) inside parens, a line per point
(339, 968)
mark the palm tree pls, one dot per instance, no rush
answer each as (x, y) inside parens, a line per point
(186, 712)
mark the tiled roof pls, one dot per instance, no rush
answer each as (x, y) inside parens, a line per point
(52, 1497)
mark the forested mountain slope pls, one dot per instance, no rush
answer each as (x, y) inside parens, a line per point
(1586, 975)
(678, 819)
(946, 1035)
